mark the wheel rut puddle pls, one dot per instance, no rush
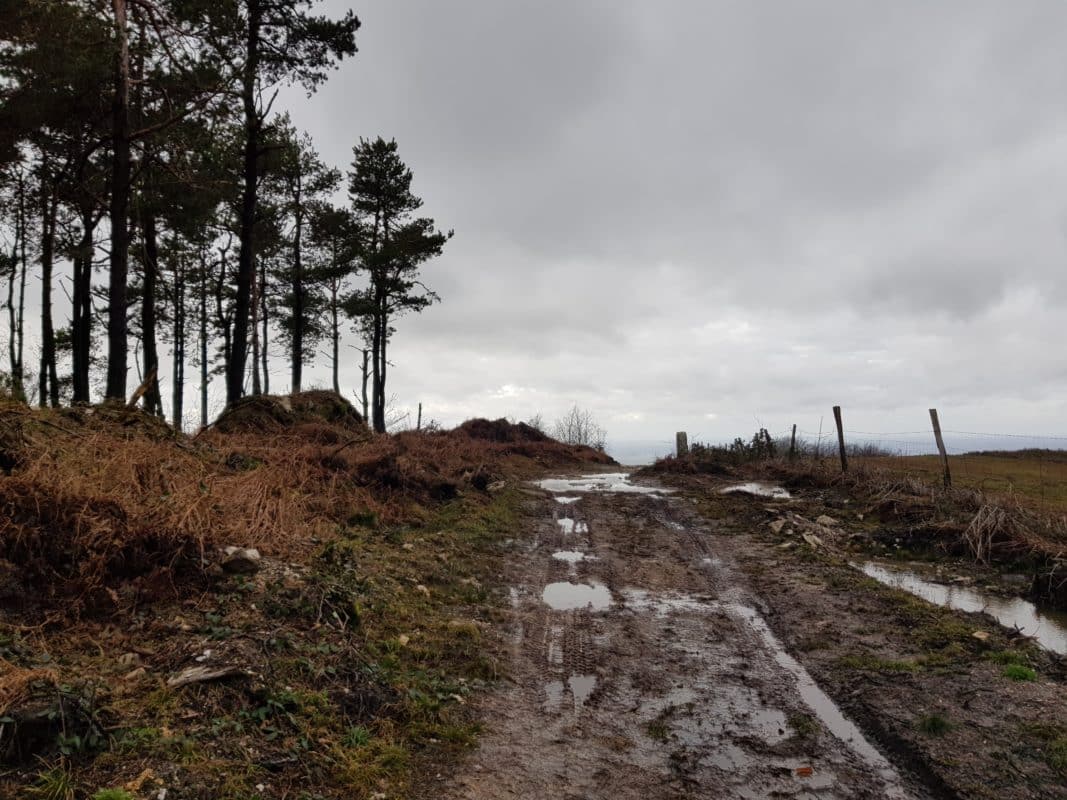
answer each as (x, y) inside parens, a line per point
(641, 668)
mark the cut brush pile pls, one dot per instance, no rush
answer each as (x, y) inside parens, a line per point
(105, 502)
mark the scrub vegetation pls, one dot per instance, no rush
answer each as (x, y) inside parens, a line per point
(139, 650)
(1011, 522)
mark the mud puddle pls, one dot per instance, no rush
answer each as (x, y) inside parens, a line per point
(819, 702)
(567, 596)
(572, 526)
(570, 556)
(758, 490)
(608, 482)
(1048, 628)
(663, 603)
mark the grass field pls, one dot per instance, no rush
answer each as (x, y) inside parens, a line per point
(1036, 478)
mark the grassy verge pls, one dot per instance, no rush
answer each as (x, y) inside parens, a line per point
(356, 670)
(144, 647)
(1035, 478)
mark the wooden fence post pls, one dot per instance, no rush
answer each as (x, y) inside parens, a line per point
(941, 446)
(841, 438)
(793, 443)
(418, 425)
(682, 444)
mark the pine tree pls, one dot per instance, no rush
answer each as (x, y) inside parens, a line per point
(281, 43)
(394, 245)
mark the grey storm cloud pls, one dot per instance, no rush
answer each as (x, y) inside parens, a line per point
(698, 215)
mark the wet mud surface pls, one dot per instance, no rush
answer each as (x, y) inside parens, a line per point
(643, 665)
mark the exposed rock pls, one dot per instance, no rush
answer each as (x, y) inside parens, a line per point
(241, 560)
(497, 486)
(828, 521)
(777, 525)
(202, 674)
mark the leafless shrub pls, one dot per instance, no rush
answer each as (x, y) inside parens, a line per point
(578, 426)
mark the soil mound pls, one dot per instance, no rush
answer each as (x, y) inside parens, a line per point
(274, 414)
(501, 430)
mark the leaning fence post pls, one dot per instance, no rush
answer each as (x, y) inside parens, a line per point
(793, 443)
(841, 438)
(682, 444)
(941, 446)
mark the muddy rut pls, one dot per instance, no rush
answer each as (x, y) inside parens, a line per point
(641, 667)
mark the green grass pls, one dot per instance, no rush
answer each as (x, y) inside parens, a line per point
(1008, 657)
(657, 729)
(934, 725)
(54, 784)
(357, 736)
(373, 649)
(1053, 742)
(1017, 672)
(1037, 479)
(803, 725)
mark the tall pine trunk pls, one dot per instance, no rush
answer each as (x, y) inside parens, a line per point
(380, 388)
(376, 363)
(18, 247)
(48, 380)
(298, 292)
(18, 376)
(178, 395)
(264, 322)
(235, 373)
(257, 387)
(203, 340)
(153, 402)
(366, 375)
(9, 304)
(120, 195)
(82, 319)
(335, 335)
(225, 322)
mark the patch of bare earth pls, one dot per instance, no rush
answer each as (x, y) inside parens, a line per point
(932, 683)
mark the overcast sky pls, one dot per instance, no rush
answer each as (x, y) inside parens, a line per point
(705, 215)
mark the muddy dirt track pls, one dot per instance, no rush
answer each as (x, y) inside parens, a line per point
(642, 667)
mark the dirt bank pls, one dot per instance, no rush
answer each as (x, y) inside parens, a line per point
(285, 606)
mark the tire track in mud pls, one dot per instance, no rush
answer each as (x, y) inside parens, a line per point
(669, 686)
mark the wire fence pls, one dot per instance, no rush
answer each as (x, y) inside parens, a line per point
(1032, 468)
(1029, 467)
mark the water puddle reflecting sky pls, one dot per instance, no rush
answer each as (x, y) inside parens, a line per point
(566, 596)
(610, 482)
(759, 490)
(819, 702)
(1049, 628)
